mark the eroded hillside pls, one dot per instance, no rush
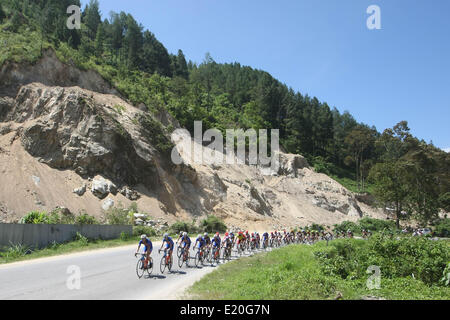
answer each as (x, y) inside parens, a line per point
(88, 149)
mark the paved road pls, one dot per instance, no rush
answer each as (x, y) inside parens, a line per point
(105, 274)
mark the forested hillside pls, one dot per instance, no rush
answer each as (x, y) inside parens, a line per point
(400, 169)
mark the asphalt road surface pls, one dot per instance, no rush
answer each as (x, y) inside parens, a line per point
(96, 275)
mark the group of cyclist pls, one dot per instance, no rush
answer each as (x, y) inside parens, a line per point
(242, 240)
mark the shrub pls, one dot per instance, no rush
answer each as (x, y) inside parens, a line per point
(35, 217)
(118, 215)
(16, 251)
(397, 258)
(346, 225)
(85, 219)
(179, 226)
(442, 228)
(140, 230)
(213, 224)
(124, 236)
(322, 166)
(82, 240)
(376, 224)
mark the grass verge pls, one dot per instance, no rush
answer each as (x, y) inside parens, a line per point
(21, 253)
(294, 273)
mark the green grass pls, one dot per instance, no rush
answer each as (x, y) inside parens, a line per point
(293, 273)
(19, 47)
(19, 253)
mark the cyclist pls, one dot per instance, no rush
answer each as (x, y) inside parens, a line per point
(148, 248)
(240, 240)
(233, 238)
(215, 242)
(258, 239)
(265, 238)
(186, 242)
(169, 245)
(227, 243)
(180, 236)
(201, 244)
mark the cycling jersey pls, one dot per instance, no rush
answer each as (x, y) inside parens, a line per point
(148, 246)
(207, 240)
(186, 241)
(201, 243)
(169, 243)
(216, 242)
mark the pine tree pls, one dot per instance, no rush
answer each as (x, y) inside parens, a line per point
(92, 18)
(182, 68)
(2, 14)
(99, 40)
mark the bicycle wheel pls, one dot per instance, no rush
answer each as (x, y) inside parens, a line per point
(150, 266)
(181, 260)
(197, 259)
(179, 251)
(140, 268)
(162, 265)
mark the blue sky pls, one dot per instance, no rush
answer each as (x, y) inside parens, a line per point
(323, 48)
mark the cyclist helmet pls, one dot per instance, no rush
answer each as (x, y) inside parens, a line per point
(226, 234)
(143, 236)
(166, 235)
(206, 234)
(199, 236)
(217, 234)
(184, 234)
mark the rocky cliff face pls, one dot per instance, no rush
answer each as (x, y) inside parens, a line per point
(63, 145)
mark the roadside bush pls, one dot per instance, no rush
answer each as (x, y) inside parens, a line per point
(82, 240)
(397, 258)
(315, 227)
(346, 225)
(16, 251)
(35, 217)
(376, 224)
(124, 236)
(442, 228)
(85, 219)
(118, 215)
(179, 226)
(213, 224)
(140, 230)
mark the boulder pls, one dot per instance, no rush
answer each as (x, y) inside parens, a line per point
(107, 204)
(102, 187)
(80, 191)
(129, 193)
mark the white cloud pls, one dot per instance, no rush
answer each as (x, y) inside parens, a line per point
(446, 150)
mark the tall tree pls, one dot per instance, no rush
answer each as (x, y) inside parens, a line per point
(92, 18)
(2, 13)
(391, 187)
(358, 141)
